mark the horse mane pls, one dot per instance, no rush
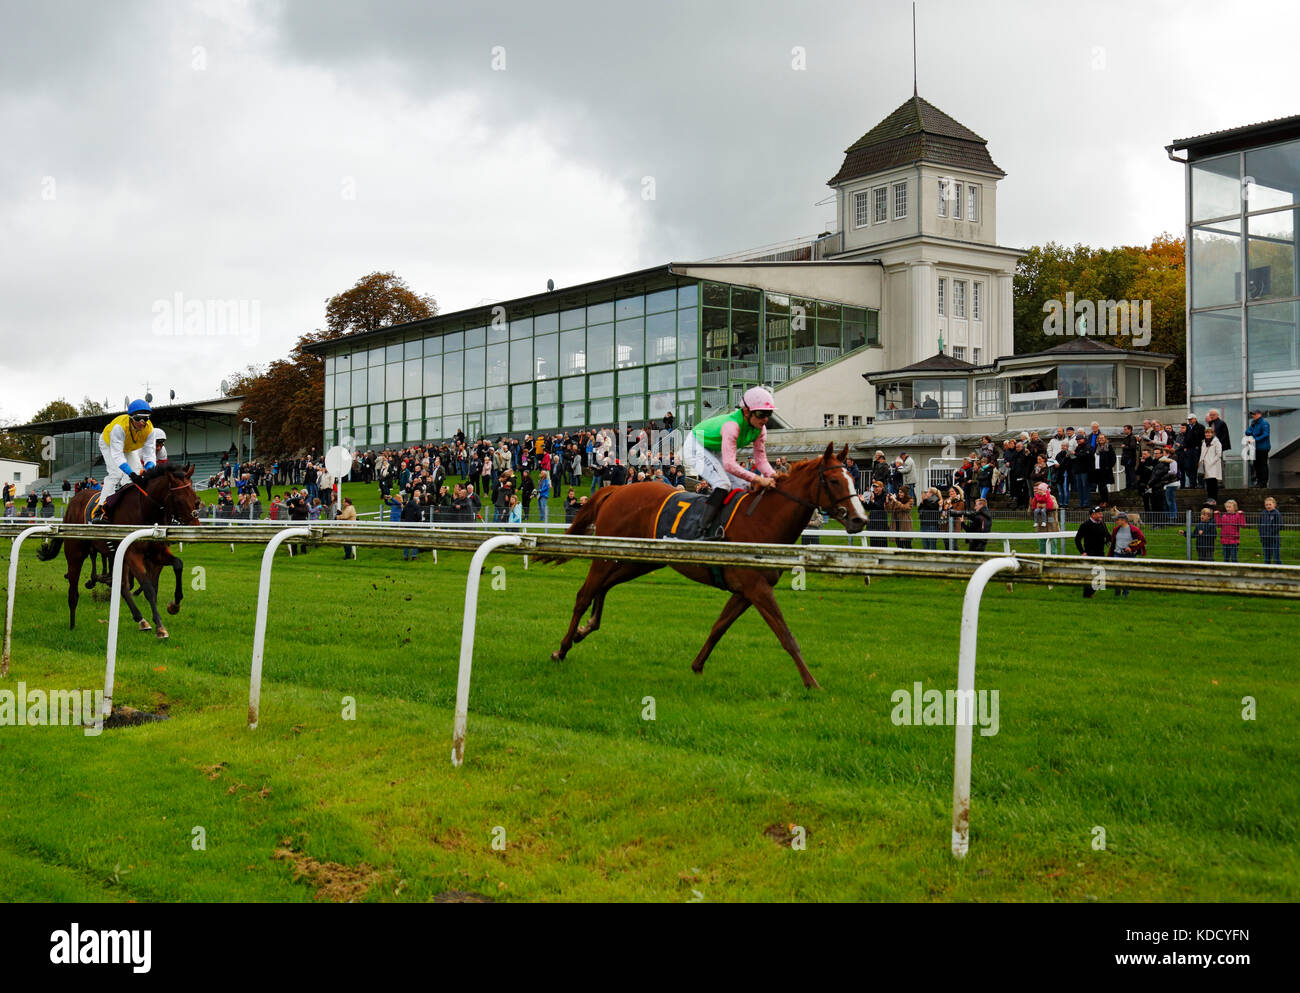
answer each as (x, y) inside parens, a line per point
(162, 469)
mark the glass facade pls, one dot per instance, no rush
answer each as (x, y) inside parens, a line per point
(1244, 335)
(631, 356)
(752, 337)
(688, 347)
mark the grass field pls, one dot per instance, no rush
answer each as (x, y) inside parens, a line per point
(1120, 714)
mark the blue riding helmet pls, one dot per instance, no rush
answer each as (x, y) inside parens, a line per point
(139, 407)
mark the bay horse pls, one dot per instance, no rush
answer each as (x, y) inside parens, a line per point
(631, 511)
(166, 497)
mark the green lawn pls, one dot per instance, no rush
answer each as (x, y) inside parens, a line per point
(1123, 714)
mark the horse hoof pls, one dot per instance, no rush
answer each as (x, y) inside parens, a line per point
(161, 633)
(557, 656)
(145, 626)
(173, 608)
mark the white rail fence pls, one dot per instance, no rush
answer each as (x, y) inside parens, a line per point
(979, 568)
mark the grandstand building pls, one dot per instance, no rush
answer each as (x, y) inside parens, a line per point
(201, 432)
(914, 275)
(1243, 336)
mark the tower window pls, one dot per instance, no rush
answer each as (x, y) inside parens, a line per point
(956, 201)
(881, 208)
(943, 197)
(959, 298)
(972, 202)
(860, 209)
(975, 301)
(943, 285)
(900, 201)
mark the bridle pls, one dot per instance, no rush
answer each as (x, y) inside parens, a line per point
(840, 513)
(187, 485)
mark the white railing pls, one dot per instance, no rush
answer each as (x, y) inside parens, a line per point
(1158, 574)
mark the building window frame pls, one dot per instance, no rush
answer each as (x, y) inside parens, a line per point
(943, 196)
(861, 208)
(956, 201)
(959, 298)
(880, 205)
(942, 293)
(975, 301)
(973, 202)
(900, 201)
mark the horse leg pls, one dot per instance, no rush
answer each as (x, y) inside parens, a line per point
(734, 607)
(627, 571)
(759, 592)
(125, 589)
(177, 566)
(146, 574)
(75, 554)
(595, 575)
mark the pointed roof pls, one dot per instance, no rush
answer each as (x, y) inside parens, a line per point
(940, 362)
(917, 131)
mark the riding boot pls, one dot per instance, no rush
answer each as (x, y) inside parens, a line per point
(711, 527)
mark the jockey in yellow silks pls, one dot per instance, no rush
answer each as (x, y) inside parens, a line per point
(128, 445)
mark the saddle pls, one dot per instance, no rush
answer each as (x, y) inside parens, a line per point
(95, 509)
(681, 514)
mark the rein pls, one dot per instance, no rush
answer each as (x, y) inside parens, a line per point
(839, 514)
(187, 485)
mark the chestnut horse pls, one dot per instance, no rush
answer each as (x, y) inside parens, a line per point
(630, 511)
(167, 497)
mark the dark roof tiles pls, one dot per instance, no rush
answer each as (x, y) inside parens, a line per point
(917, 131)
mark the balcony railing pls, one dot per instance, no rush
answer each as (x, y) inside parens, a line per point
(812, 249)
(922, 413)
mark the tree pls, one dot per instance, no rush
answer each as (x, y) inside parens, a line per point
(1154, 273)
(55, 410)
(379, 300)
(91, 407)
(286, 399)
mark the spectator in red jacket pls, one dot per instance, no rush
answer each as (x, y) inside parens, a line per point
(1230, 522)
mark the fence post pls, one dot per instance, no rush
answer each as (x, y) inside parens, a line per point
(115, 609)
(259, 626)
(1189, 534)
(13, 581)
(461, 720)
(970, 623)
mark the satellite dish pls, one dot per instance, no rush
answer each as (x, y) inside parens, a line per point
(148, 398)
(173, 392)
(225, 387)
(550, 286)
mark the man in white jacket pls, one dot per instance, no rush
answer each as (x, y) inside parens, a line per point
(909, 471)
(1211, 465)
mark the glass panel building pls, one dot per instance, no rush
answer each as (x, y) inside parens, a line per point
(1243, 331)
(632, 348)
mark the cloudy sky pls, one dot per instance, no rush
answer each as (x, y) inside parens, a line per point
(156, 152)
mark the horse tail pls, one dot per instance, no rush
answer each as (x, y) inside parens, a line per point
(583, 521)
(49, 548)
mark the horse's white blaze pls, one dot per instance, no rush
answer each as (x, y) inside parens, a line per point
(853, 492)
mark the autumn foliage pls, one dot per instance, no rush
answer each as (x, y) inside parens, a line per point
(1155, 273)
(287, 398)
